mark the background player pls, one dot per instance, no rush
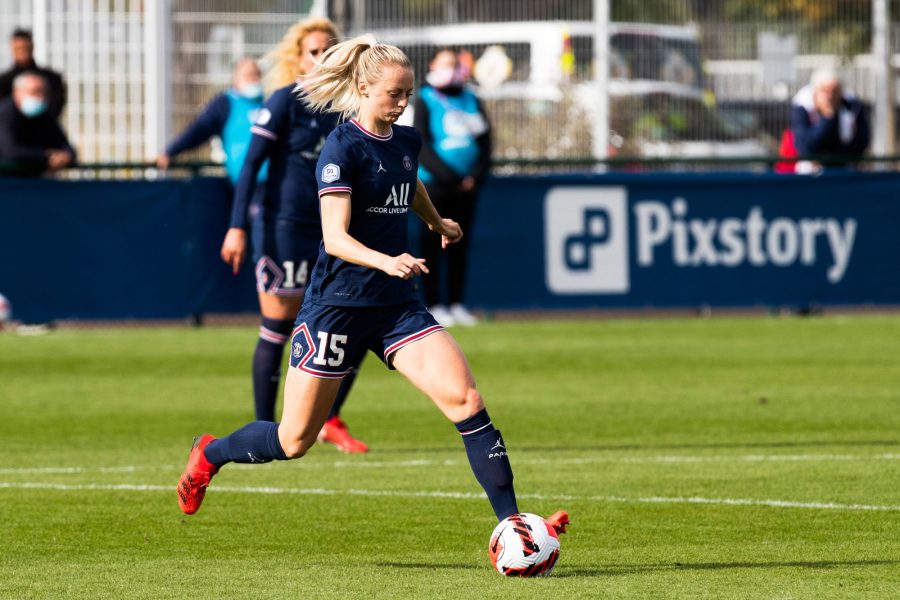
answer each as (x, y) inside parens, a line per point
(361, 296)
(287, 234)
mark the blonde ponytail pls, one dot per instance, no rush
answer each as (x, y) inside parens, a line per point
(333, 86)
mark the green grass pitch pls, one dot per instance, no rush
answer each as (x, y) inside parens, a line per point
(752, 457)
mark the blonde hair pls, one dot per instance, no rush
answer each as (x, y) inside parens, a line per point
(333, 86)
(285, 59)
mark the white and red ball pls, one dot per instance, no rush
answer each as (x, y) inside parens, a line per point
(524, 545)
(5, 310)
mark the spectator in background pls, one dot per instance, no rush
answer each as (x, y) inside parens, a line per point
(228, 116)
(826, 120)
(23, 61)
(454, 161)
(31, 140)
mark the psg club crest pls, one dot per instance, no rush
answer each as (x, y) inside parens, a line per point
(301, 346)
(407, 163)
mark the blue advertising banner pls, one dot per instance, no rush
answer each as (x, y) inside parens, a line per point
(665, 240)
(116, 250)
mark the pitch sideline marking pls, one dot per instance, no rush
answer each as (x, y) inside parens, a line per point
(673, 459)
(459, 495)
(345, 464)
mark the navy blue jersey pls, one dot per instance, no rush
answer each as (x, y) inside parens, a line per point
(379, 173)
(290, 136)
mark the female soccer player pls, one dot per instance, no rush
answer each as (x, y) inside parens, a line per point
(287, 232)
(361, 296)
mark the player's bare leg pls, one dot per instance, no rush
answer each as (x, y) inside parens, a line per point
(436, 365)
(307, 402)
(279, 307)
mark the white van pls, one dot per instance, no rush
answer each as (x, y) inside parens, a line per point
(539, 110)
(638, 51)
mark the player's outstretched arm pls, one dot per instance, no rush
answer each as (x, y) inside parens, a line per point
(448, 229)
(335, 210)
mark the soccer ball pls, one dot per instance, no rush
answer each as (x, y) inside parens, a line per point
(5, 311)
(524, 545)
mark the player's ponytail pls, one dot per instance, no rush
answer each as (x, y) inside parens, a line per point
(333, 86)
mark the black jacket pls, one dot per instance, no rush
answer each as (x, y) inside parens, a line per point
(814, 134)
(56, 89)
(24, 141)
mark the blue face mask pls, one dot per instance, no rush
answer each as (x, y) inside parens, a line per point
(251, 91)
(33, 106)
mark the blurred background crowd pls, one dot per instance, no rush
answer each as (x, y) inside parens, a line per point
(706, 80)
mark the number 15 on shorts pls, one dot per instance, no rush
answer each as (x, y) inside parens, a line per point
(323, 359)
(336, 348)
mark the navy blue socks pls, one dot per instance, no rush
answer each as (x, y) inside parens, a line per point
(256, 442)
(489, 462)
(273, 335)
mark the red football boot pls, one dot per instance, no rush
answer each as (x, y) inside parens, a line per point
(558, 521)
(334, 431)
(196, 477)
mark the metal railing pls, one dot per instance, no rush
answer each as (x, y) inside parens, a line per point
(756, 54)
(501, 166)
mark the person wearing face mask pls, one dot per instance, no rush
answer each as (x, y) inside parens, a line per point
(22, 50)
(454, 162)
(228, 116)
(31, 140)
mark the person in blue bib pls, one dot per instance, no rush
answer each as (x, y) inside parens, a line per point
(287, 232)
(361, 295)
(228, 116)
(453, 164)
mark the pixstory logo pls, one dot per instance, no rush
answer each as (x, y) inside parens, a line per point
(587, 239)
(586, 235)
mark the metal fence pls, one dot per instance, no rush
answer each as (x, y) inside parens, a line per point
(679, 79)
(137, 72)
(693, 79)
(99, 49)
(208, 37)
(760, 54)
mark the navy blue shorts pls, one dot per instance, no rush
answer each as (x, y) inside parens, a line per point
(284, 254)
(328, 341)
